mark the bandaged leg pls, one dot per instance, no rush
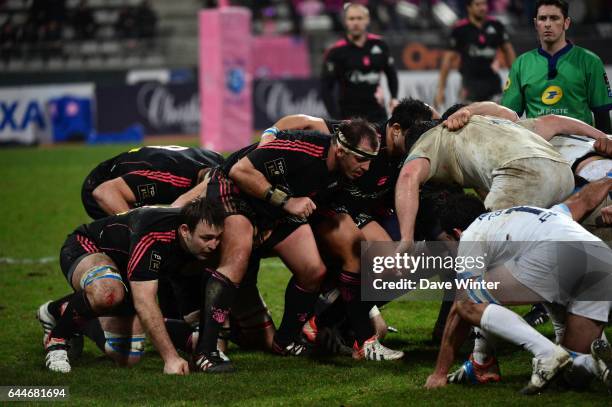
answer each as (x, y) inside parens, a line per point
(124, 339)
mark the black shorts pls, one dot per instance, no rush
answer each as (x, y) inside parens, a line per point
(75, 248)
(267, 232)
(97, 176)
(482, 89)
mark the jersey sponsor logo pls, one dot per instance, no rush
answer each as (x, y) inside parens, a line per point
(376, 50)
(146, 191)
(551, 95)
(359, 77)
(562, 112)
(607, 85)
(508, 84)
(275, 168)
(155, 262)
(491, 30)
(486, 52)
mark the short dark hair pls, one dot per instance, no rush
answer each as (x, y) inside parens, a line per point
(561, 4)
(409, 111)
(417, 130)
(355, 130)
(460, 211)
(205, 210)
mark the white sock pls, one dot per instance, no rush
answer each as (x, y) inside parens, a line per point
(484, 345)
(507, 325)
(586, 362)
(557, 317)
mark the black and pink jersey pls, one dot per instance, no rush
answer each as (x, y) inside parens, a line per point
(357, 71)
(295, 162)
(477, 46)
(375, 188)
(155, 174)
(143, 243)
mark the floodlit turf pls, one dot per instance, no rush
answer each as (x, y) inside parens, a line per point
(40, 201)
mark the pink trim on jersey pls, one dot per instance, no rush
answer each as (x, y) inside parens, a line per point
(87, 245)
(462, 22)
(297, 145)
(338, 44)
(491, 18)
(370, 36)
(166, 177)
(143, 245)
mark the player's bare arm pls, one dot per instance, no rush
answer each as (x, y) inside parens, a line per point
(413, 174)
(302, 122)
(448, 59)
(509, 54)
(462, 116)
(588, 198)
(114, 196)
(145, 302)
(254, 183)
(551, 125)
(455, 333)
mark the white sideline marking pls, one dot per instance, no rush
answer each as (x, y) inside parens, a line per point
(40, 260)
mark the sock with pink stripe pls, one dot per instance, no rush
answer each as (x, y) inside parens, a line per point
(299, 305)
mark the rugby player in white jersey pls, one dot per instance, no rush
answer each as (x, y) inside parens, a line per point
(522, 246)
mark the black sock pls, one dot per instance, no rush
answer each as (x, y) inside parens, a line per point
(77, 313)
(357, 310)
(219, 293)
(299, 305)
(180, 334)
(93, 330)
(333, 315)
(55, 307)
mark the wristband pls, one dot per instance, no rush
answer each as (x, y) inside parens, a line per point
(276, 197)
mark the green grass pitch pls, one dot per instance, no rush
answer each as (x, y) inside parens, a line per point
(40, 201)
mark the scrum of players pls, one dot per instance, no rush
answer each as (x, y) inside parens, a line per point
(178, 233)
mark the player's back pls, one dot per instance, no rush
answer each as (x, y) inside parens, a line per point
(116, 235)
(470, 155)
(526, 224)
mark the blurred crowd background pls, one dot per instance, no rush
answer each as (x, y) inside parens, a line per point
(61, 34)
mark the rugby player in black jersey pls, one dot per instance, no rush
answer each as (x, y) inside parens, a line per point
(149, 175)
(113, 265)
(355, 65)
(358, 212)
(268, 192)
(475, 41)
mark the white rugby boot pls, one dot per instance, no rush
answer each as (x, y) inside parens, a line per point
(372, 349)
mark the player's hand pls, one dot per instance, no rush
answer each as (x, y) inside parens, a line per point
(435, 380)
(302, 207)
(458, 119)
(440, 99)
(178, 366)
(606, 215)
(604, 146)
(393, 104)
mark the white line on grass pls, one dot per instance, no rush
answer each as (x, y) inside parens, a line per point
(40, 260)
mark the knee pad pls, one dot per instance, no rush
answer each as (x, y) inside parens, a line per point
(124, 345)
(99, 273)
